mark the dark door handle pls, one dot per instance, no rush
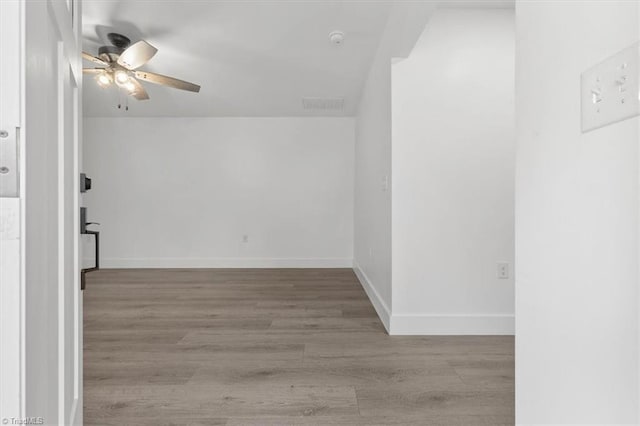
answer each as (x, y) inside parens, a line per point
(96, 234)
(83, 279)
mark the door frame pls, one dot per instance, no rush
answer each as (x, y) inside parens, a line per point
(63, 17)
(12, 283)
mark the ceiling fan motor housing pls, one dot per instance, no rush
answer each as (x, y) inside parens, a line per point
(111, 53)
(118, 40)
(110, 50)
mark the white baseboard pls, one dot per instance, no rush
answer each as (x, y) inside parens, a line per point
(426, 325)
(453, 325)
(225, 262)
(383, 311)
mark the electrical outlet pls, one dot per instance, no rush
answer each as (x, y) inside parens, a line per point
(503, 270)
(245, 238)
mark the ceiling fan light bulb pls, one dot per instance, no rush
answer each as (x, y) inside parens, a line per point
(122, 77)
(103, 80)
(129, 86)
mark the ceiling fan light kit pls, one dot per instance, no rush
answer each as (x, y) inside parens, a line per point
(103, 79)
(121, 77)
(119, 64)
(129, 86)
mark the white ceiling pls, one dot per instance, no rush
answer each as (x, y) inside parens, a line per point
(252, 58)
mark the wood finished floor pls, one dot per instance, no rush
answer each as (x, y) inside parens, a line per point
(275, 347)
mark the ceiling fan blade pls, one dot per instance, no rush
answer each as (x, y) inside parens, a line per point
(137, 55)
(93, 70)
(139, 93)
(93, 59)
(167, 81)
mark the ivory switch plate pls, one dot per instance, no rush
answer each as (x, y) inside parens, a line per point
(610, 90)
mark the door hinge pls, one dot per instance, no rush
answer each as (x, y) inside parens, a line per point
(9, 162)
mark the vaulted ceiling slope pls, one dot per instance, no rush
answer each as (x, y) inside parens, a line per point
(252, 58)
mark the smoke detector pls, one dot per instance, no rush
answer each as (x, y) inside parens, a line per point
(336, 37)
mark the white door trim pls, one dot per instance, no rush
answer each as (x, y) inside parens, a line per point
(12, 342)
(62, 20)
(66, 16)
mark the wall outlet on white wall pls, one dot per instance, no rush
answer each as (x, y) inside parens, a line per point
(385, 183)
(245, 238)
(503, 270)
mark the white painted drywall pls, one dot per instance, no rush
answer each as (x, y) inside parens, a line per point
(372, 214)
(182, 192)
(453, 176)
(576, 223)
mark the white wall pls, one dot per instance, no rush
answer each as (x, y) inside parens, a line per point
(182, 192)
(372, 220)
(453, 176)
(576, 223)
(372, 216)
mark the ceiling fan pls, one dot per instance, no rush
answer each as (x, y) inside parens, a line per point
(119, 64)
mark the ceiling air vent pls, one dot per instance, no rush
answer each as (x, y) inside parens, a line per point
(319, 104)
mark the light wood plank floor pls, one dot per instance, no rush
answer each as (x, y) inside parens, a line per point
(275, 347)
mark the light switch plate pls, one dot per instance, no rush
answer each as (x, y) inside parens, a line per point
(610, 89)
